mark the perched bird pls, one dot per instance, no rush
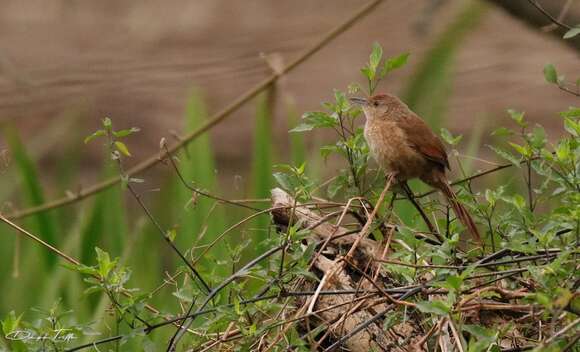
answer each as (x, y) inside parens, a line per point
(404, 145)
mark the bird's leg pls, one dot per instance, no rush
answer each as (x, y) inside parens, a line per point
(411, 196)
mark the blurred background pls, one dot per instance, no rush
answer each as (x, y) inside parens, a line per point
(166, 66)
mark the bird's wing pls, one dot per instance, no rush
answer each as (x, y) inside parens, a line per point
(421, 138)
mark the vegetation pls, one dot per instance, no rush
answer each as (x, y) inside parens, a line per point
(324, 263)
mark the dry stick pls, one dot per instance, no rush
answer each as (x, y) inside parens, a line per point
(371, 217)
(458, 341)
(37, 239)
(368, 294)
(564, 330)
(428, 335)
(212, 122)
(300, 317)
(370, 321)
(319, 252)
(332, 235)
(460, 267)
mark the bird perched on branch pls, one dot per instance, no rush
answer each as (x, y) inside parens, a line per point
(404, 145)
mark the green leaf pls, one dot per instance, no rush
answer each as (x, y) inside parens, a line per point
(394, 63)
(184, 294)
(104, 262)
(572, 127)
(367, 73)
(315, 119)
(10, 322)
(480, 331)
(550, 74)
(518, 117)
(449, 138)
(375, 58)
(342, 103)
(454, 282)
(563, 151)
(125, 133)
(107, 123)
(122, 148)
(171, 234)
(98, 133)
(81, 268)
(572, 33)
(572, 112)
(336, 185)
(507, 156)
(516, 200)
(437, 307)
(502, 132)
(326, 150)
(524, 150)
(284, 180)
(303, 127)
(537, 139)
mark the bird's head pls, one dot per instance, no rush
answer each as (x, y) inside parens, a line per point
(379, 105)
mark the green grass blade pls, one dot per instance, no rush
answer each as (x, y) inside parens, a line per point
(202, 221)
(262, 161)
(44, 224)
(106, 226)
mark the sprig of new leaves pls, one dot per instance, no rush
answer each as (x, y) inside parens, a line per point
(107, 130)
(377, 68)
(343, 118)
(117, 148)
(551, 75)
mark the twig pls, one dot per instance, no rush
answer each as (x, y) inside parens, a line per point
(371, 217)
(39, 240)
(548, 15)
(166, 237)
(568, 90)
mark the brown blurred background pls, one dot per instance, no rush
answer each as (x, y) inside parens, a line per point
(64, 65)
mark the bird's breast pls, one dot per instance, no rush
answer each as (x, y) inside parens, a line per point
(389, 146)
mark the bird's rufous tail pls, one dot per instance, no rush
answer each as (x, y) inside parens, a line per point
(459, 209)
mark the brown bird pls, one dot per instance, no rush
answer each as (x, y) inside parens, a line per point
(404, 145)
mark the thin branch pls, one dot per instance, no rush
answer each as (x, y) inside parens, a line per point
(554, 20)
(568, 90)
(477, 175)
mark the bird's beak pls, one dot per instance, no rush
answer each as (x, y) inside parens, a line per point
(358, 101)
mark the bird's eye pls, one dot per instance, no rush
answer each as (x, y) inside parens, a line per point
(376, 103)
